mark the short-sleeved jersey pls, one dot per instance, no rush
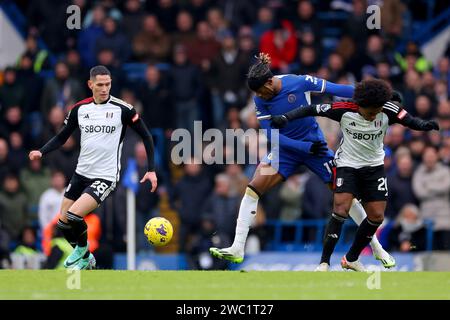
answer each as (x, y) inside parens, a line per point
(102, 127)
(295, 91)
(362, 141)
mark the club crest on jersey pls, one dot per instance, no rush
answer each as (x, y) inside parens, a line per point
(325, 107)
(377, 123)
(292, 98)
(339, 182)
(109, 115)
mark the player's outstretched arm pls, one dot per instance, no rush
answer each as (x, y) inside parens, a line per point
(313, 84)
(141, 129)
(340, 90)
(283, 141)
(419, 124)
(70, 124)
(332, 111)
(397, 114)
(317, 148)
(301, 112)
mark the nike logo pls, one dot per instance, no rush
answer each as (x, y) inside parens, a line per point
(68, 264)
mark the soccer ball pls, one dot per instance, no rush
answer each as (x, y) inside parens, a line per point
(158, 231)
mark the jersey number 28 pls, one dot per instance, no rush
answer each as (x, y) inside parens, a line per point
(100, 186)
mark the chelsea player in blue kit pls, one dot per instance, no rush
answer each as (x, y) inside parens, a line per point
(301, 142)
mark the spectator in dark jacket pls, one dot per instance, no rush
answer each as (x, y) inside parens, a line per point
(87, 38)
(400, 186)
(198, 9)
(264, 23)
(223, 207)
(186, 88)
(13, 207)
(107, 58)
(167, 11)
(152, 44)
(12, 92)
(17, 152)
(114, 40)
(199, 257)
(31, 81)
(184, 32)
(49, 19)
(13, 121)
(306, 20)
(54, 124)
(308, 61)
(132, 18)
(35, 179)
(408, 232)
(62, 90)
(238, 12)
(65, 158)
(156, 101)
(431, 184)
(317, 199)
(189, 196)
(4, 159)
(204, 47)
(227, 78)
(5, 260)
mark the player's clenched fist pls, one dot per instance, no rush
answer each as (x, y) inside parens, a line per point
(35, 154)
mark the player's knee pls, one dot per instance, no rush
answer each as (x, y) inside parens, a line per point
(342, 208)
(377, 216)
(63, 217)
(258, 190)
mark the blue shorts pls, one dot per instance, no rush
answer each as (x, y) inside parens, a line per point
(289, 161)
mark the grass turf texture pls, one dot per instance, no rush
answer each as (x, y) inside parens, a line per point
(191, 285)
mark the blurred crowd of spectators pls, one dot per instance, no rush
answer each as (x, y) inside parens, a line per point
(196, 55)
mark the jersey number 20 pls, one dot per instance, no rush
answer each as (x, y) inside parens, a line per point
(383, 185)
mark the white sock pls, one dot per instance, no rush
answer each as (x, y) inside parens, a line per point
(358, 214)
(247, 213)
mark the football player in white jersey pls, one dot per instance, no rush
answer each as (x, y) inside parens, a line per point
(359, 160)
(102, 120)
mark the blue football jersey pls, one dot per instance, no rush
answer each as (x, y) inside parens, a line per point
(295, 92)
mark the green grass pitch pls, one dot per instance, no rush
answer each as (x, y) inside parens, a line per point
(221, 285)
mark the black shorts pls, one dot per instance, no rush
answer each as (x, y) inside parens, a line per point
(98, 188)
(367, 183)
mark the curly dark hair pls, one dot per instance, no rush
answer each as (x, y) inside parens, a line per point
(372, 93)
(259, 73)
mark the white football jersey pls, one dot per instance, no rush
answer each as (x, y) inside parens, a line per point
(102, 127)
(362, 142)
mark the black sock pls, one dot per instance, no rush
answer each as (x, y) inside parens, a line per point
(79, 228)
(332, 234)
(363, 236)
(67, 231)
